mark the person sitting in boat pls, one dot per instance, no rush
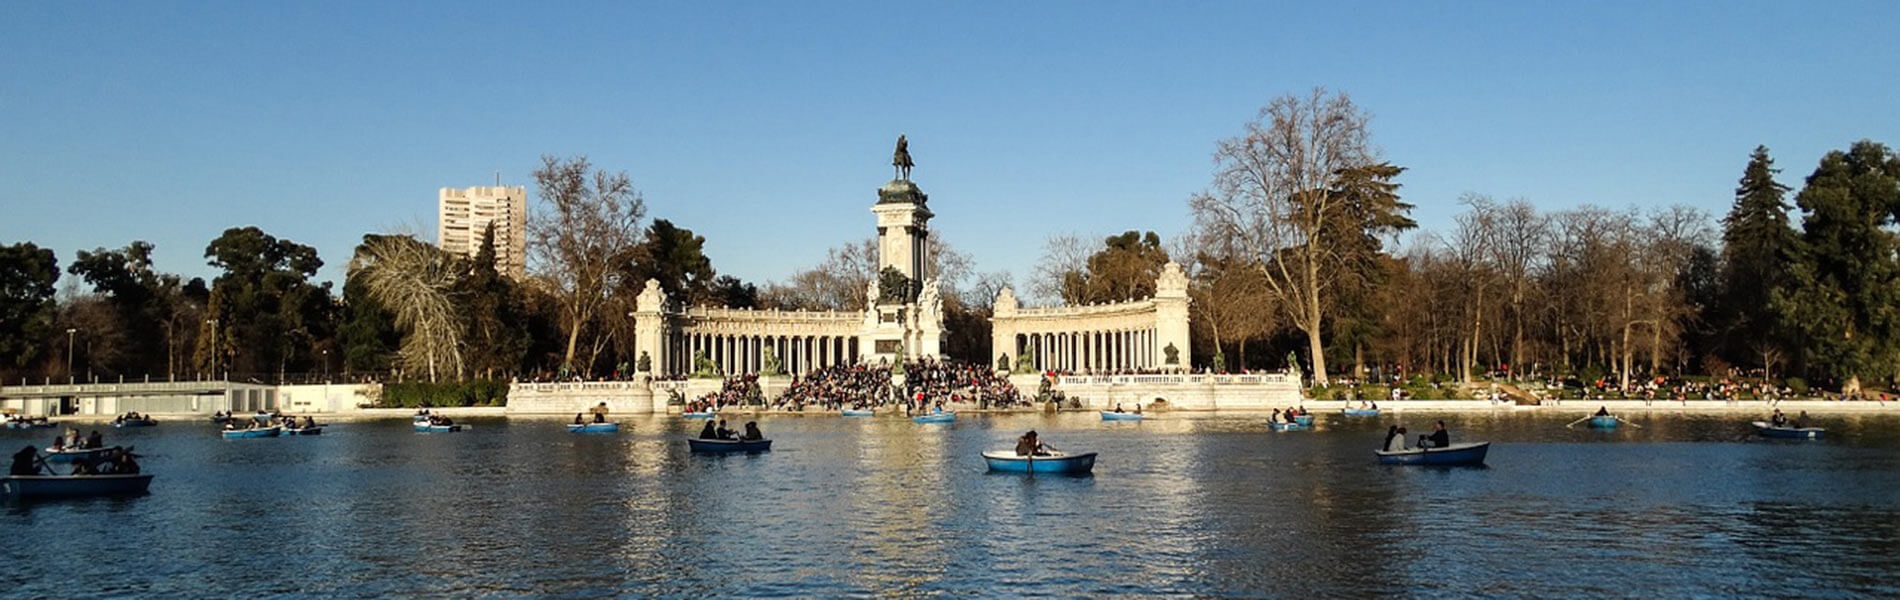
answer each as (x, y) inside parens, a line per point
(708, 432)
(577, 419)
(309, 421)
(1394, 439)
(59, 443)
(1778, 419)
(1275, 418)
(231, 426)
(1031, 445)
(1438, 439)
(72, 438)
(123, 462)
(725, 434)
(26, 461)
(1603, 411)
(1138, 408)
(1118, 408)
(601, 417)
(95, 440)
(752, 432)
(82, 466)
(1800, 421)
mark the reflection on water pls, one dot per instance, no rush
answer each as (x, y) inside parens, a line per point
(1199, 505)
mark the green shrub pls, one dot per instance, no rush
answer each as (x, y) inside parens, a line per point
(1589, 374)
(1798, 385)
(480, 392)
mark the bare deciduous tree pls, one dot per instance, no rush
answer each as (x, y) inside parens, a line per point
(1271, 199)
(1064, 257)
(587, 224)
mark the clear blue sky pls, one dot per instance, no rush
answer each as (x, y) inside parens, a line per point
(767, 126)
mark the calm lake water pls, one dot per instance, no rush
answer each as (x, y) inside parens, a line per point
(1183, 505)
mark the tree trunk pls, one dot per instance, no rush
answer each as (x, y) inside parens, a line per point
(1359, 361)
(573, 338)
(1655, 347)
(1313, 323)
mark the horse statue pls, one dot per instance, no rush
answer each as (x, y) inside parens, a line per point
(901, 158)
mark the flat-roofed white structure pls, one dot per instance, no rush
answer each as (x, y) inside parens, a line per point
(463, 214)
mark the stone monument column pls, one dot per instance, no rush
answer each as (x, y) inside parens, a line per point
(1171, 320)
(650, 341)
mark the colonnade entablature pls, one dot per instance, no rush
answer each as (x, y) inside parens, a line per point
(1147, 335)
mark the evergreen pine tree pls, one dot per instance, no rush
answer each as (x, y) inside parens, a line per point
(1843, 289)
(1756, 242)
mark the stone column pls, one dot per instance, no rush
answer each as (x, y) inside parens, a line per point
(649, 328)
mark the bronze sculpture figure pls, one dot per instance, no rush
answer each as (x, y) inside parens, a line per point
(901, 158)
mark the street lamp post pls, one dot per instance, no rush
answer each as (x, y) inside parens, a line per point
(69, 353)
(326, 365)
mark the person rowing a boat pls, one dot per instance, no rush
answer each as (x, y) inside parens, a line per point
(1031, 445)
(725, 434)
(1438, 439)
(26, 462)
(1118, 408)
(1778, 419)
(601, 416)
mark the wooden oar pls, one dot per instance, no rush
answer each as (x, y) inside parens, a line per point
(1628, 421)
(1573, 423)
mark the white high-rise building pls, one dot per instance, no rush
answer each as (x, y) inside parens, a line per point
(463, 214)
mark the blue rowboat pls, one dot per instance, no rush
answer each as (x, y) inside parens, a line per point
(1807, 433)
(1285, 426)
(1121, 416)
(699, 445)
(1361, 412)
(136, 423)
(1055, 462)
(316, 430)
(697, 415)
(74, 486)
(942, 417)
(1455, 454)
(261, 432)
(427, 428)
(857, 413)
(1304, 420)
(68, 454)
(593, 428)
(1603, 422)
